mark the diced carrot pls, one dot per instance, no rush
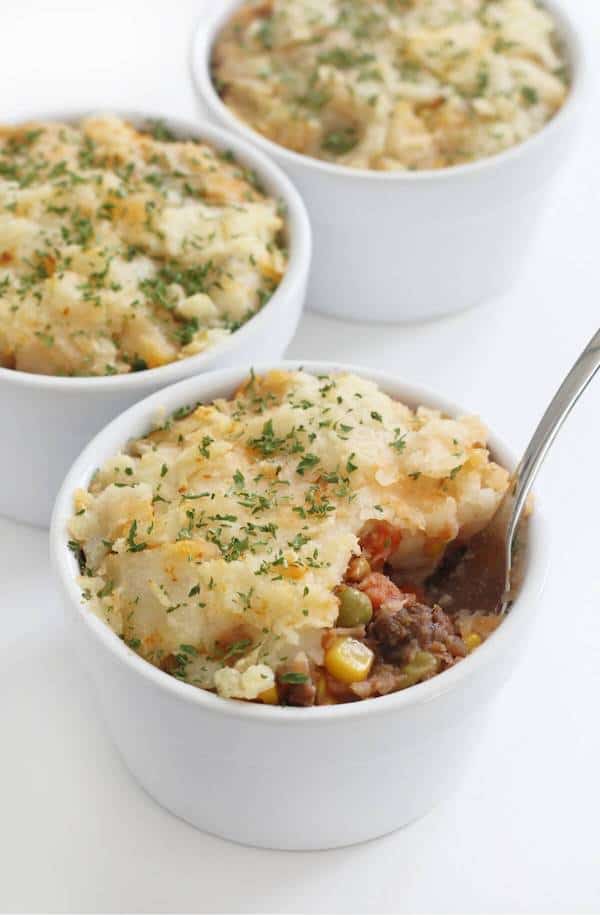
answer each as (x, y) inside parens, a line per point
(378, 541)
(379, 588)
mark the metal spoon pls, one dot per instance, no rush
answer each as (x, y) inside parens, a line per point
(483, 580)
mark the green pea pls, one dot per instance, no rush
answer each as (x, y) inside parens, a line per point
(422, 666)
(355, 608)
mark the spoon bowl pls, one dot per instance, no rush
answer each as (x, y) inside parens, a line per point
(487, 574)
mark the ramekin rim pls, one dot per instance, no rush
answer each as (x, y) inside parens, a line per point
(203, 39)
(300, 251)
(112, 435)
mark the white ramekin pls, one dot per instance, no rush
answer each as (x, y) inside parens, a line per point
(404, 246)
(47, 420)
(279, 777)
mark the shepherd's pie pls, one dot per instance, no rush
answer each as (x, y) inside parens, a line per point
(392, 84)
(277, 546)
(125, 249)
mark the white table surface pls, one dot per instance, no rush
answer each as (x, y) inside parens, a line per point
(521, 834)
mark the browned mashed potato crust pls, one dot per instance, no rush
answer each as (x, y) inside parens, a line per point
(125, 249)
(392, 84)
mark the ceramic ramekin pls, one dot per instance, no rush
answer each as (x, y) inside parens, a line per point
(273, 777)
(405, 246)
(47, 420)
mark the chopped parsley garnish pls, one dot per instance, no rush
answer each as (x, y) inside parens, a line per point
(340, 141)
(107, 590)
(399, 442)
(308, 461)
(294, 677)
(204, 447)
(530, 95)
(344, 58)
(134, 546)
(159, 131)
(237, 648)
(77, 549)
(267, 443)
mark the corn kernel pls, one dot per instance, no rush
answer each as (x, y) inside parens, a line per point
(349, 660)
(472, 641)
(269, 696)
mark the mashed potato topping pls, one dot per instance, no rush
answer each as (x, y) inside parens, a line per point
(215, 545)
(392, 84)
(122, 250)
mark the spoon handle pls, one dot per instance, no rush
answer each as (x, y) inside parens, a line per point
(565, 399)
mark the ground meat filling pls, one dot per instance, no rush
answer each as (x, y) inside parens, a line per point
(402, 627)
(409, 636)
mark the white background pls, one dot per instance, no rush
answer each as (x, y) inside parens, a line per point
(522, 832)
